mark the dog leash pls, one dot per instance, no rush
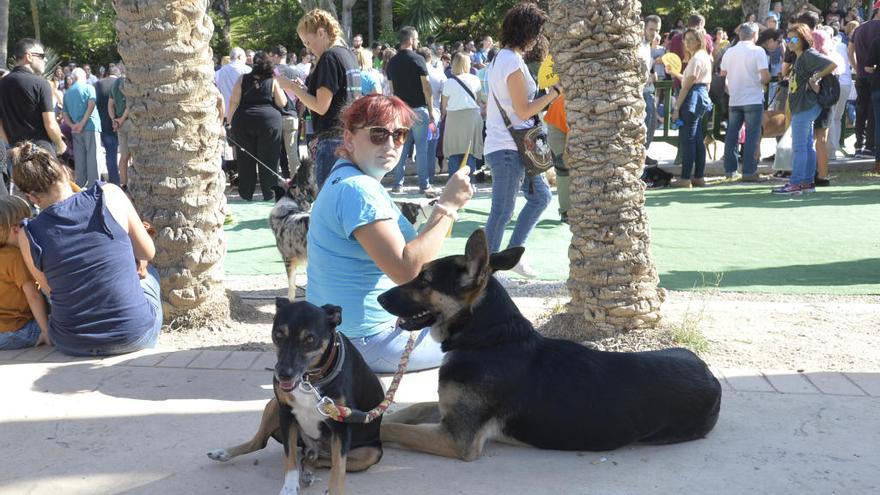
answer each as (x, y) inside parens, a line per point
(242, 148)
(328, 408)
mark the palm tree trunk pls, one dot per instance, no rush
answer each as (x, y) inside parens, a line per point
(4, 32)
(346, 18)
(35, 15)
(175, 179)
(386, 22)
(612, 281)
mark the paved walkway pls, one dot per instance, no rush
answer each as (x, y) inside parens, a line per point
(141, 424)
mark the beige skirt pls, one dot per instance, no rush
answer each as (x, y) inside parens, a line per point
(463, 127)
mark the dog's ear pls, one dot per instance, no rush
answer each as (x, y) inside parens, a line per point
(280, 302)
(477, 253)
(507, 259)
(334, 314)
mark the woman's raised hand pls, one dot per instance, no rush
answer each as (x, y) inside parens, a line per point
(458, 189)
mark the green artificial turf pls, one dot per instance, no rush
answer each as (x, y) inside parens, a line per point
(734, 237)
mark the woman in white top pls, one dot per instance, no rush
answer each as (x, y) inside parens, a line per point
(514, 89)
(692, 104)
(463, 130)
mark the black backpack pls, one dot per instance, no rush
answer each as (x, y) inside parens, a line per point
(829, 91)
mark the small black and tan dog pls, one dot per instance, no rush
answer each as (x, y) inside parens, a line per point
(502, 380)
(313, 355)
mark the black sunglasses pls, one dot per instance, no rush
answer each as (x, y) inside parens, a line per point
(379, 135)
(38, 55)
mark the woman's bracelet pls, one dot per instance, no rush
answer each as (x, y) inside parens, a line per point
(453, 214)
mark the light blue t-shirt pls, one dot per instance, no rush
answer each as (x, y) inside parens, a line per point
(340, 271)
(76, 101)
(369, 82)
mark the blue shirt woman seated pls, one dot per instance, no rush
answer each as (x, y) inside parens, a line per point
(81, 249)
(360, 245)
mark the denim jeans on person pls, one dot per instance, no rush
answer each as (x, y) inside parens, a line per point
(454, 161)
(834, 129)
(110, 142)
(803, 150)
(382, 351)
(875, 103)
(148, 340)
(693, 151)
(26, 336)
(650, 117)
(509, 177)
(325, 158)
(751, 116)
(418, 137)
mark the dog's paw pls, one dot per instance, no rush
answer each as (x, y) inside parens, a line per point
(306, 479)
(291, 484)
(220, 455)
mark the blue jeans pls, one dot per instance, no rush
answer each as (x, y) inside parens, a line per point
(693, 153)
(803, 151)
(382, 351)
(148, 340)
(455, 162)
(110, 142)
(751, 115)
(418, 136)
(650, 117)
(26, 336)
(432, 159)
(508, 177)
(325, 158)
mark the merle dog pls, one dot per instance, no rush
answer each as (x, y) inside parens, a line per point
(502, 380)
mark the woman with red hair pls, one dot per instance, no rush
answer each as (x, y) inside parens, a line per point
(360, 245)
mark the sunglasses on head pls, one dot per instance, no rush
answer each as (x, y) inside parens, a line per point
(379, 135)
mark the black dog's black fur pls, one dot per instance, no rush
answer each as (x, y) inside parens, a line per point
(356, 386)
(501, 379)
(655, 177)
(304, 336)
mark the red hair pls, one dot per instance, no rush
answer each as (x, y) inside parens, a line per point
(376, 110)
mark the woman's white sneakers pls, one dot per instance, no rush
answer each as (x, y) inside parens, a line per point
(523, 269)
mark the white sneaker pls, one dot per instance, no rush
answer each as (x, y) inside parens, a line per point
(523, 269)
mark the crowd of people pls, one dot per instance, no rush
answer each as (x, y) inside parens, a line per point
(794, 79)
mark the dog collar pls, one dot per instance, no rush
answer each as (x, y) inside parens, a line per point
(331, 367)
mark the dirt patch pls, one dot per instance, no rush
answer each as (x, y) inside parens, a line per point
(838, 333)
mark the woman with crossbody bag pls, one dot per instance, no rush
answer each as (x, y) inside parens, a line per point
(512, 91)
(464, 124)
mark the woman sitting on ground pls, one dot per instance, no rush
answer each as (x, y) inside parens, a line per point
(81, 249)
(360, 245)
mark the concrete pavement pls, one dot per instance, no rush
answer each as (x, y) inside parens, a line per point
(141, 424)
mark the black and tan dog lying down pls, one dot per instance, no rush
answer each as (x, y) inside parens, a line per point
(501, 380)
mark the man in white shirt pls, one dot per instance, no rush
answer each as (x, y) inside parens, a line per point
(228, 75)
(747, 69)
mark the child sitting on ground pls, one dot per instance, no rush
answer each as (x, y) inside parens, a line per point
(23, 318)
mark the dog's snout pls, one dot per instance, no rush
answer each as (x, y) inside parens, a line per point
(383, 299)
